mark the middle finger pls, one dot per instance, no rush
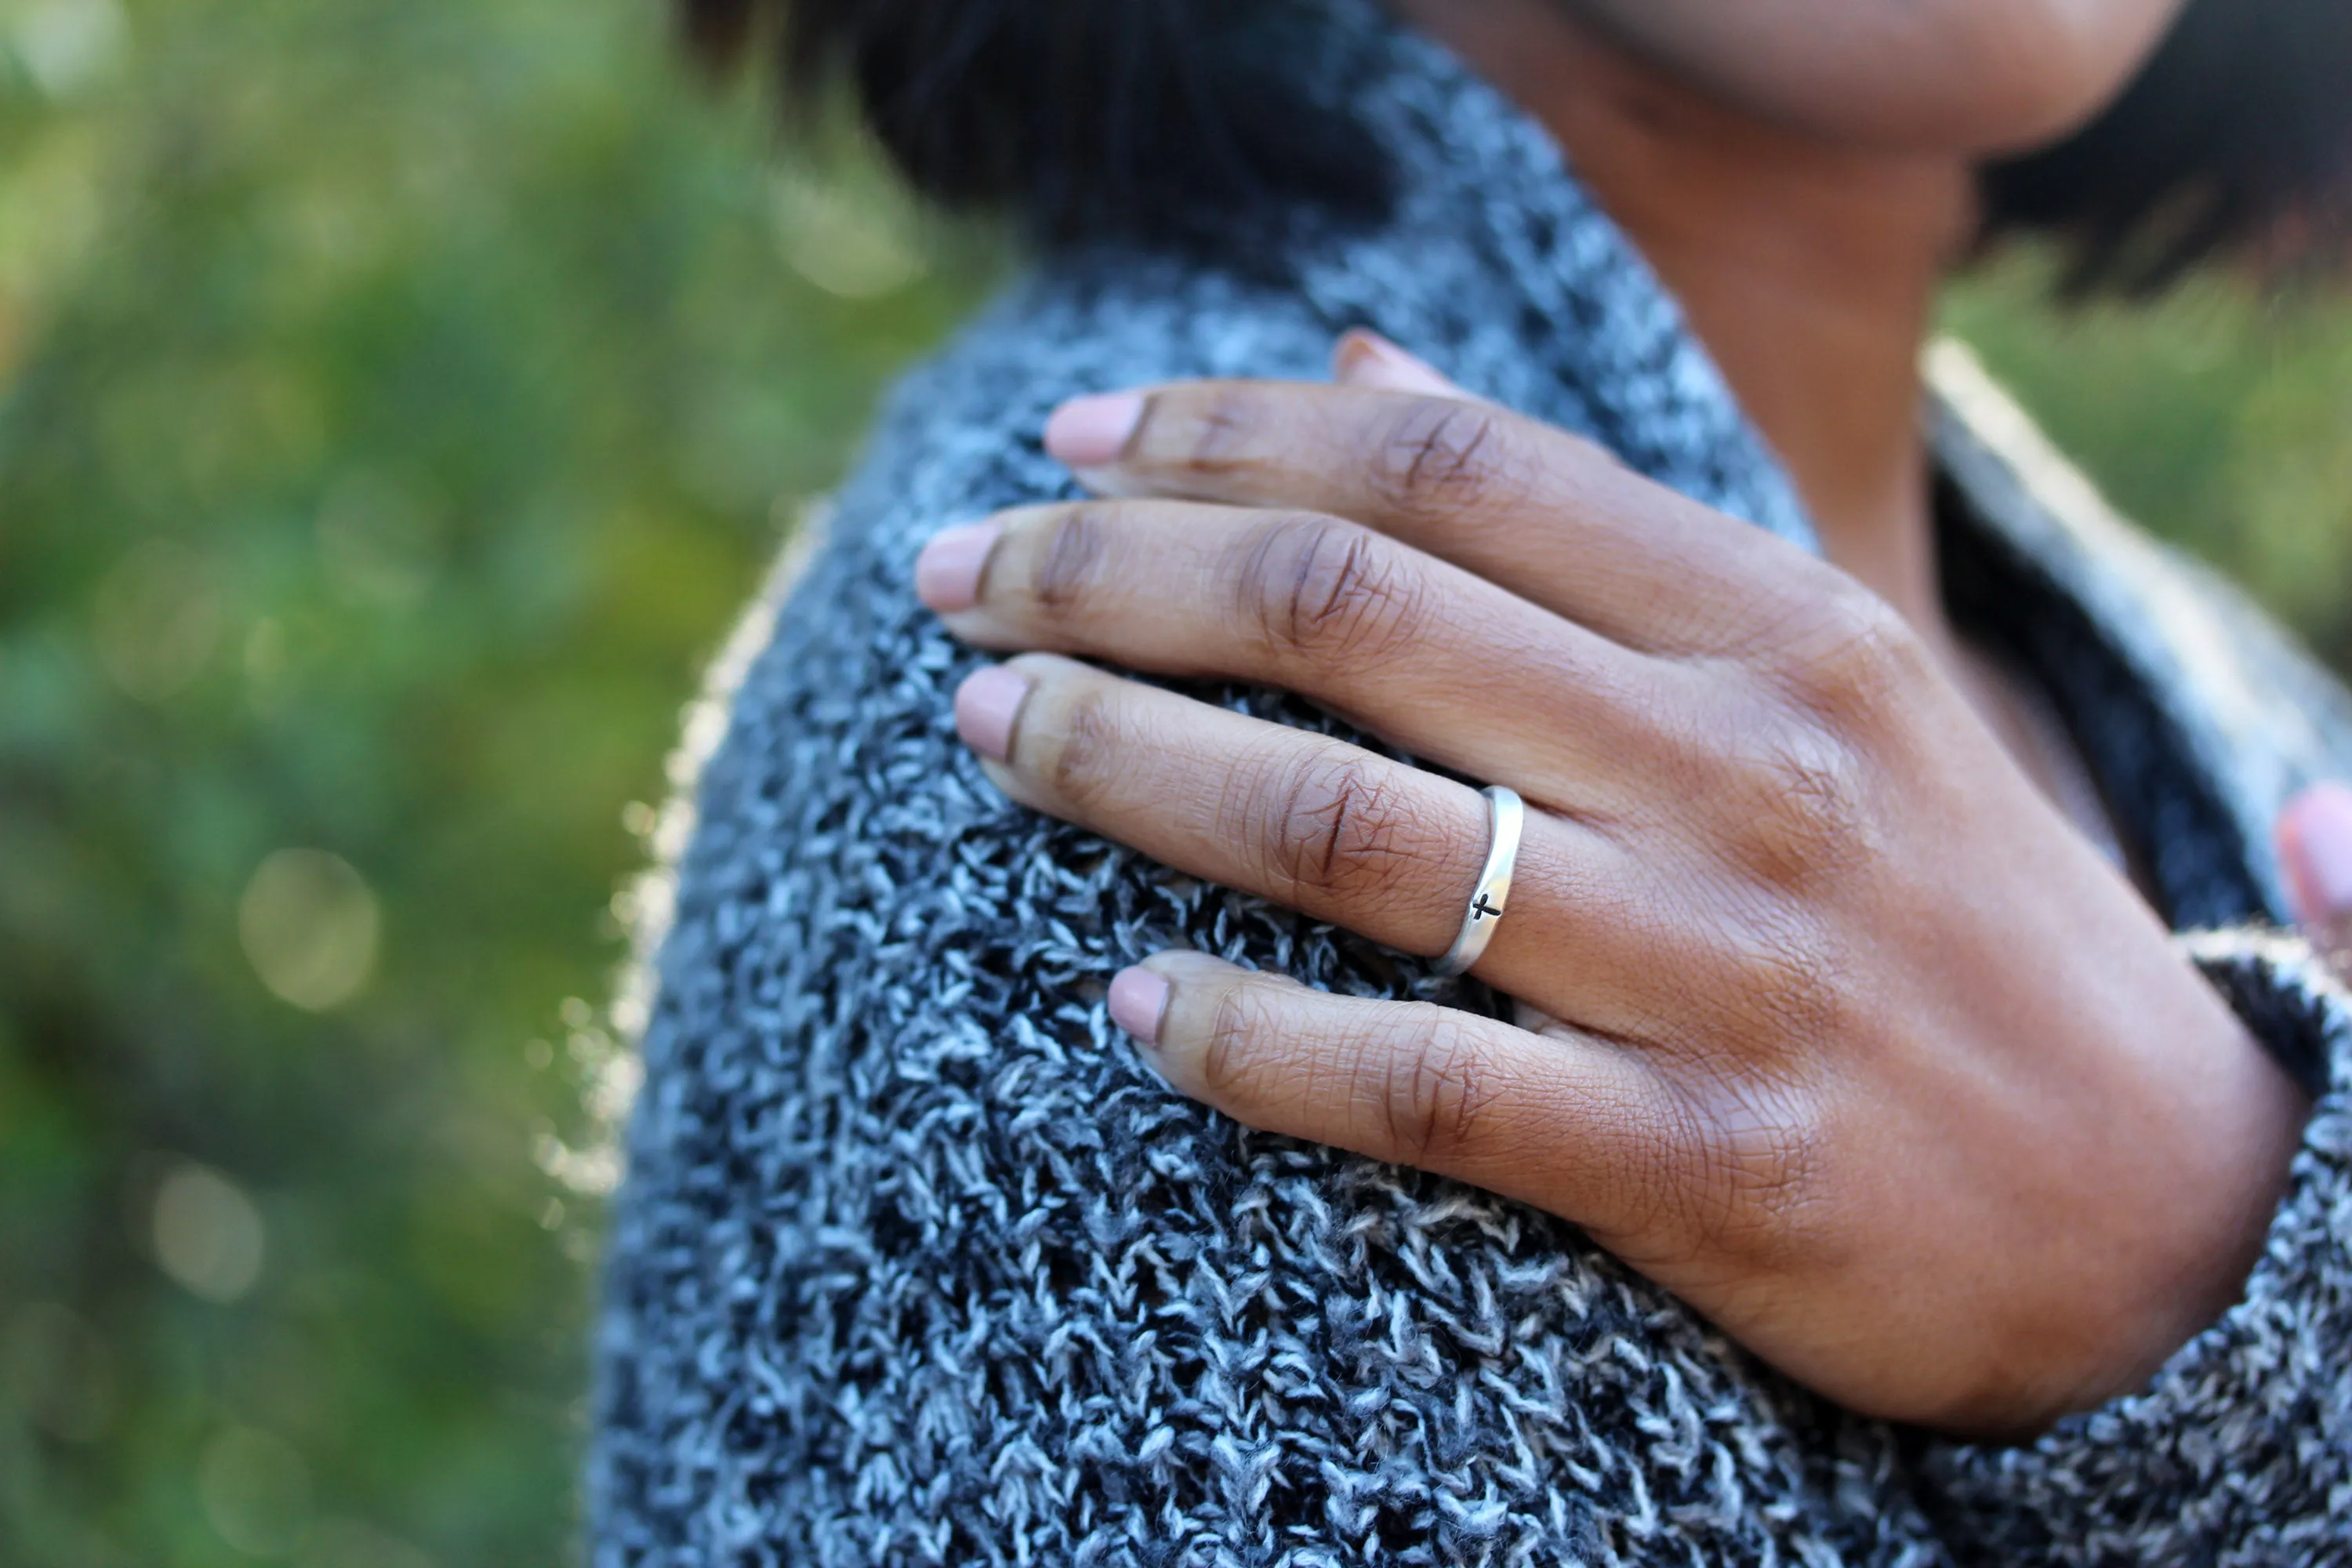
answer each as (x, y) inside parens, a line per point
(1406, 646)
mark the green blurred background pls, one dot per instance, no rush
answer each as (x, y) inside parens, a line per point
(398, 399)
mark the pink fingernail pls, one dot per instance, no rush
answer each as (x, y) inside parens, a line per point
(1139, 1000)
(1091, 432)
(2315, 848)
(986, 705)
(948, 572)
(1364, 358)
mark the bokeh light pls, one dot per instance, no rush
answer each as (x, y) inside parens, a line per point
(209, 1236)
(310, 925)
(157, 620)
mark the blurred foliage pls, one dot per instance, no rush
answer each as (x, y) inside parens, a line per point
(398, 400)
(2219, 417)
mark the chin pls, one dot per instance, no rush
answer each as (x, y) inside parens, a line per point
(1980, 77)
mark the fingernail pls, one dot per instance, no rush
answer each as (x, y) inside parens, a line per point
(1364, 358)
(2316, 845)
(1139, 1000)
(1091, 432)
(948, 572)
(986, 705)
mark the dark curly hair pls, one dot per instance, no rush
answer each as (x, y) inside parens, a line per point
(1157, 118)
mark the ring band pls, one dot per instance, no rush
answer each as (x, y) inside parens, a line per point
(1507, 815)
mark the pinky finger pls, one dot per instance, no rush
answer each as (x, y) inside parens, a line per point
(1559, 1119)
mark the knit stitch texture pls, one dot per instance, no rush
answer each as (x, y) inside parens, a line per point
(916, 1264)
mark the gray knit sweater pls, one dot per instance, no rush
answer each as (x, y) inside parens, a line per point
(916, 1264)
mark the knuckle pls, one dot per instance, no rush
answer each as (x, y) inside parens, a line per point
(1068, 561)
(1220, 431)
(1327, 591)
(1779, 976)
(1806, 803)
(1336, 825)
(1754, 1178)
(1234, 1052)
(1855, 658)
(1762, 1184)
(1436, 1093)
(1437, 453)
(1083, 761)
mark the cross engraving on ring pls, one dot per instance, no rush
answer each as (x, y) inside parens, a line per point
(1481, 910)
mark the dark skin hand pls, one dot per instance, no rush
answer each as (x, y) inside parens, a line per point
(1830, 1020)
(1834, 1026)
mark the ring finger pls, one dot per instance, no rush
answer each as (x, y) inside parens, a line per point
(1322, 826)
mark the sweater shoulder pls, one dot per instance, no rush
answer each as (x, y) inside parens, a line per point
(835, 699)
(913, 1247)
(962, 431)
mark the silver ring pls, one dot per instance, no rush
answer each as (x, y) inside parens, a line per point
(1507, 815)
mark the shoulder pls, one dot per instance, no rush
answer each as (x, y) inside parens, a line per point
(912, 1242)
(836, 655)
(834, 701)
(964, 428)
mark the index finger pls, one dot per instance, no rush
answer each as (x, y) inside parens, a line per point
(1531, 508)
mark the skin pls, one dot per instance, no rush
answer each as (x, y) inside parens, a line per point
(2314, 849)
(1930, 76)
(1831, 1020)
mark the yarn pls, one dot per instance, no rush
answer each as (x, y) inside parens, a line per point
(916, 1263)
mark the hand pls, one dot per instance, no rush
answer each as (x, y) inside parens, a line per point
(1830, 1024)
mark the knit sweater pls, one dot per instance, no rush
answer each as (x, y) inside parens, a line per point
(916, 1263)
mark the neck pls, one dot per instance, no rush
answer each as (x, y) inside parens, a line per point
(1809, 269)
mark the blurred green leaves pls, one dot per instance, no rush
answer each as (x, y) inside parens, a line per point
(2220, 416)
(398, 398)
(397, 401)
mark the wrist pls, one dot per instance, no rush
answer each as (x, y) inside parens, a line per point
(2238, 1145)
